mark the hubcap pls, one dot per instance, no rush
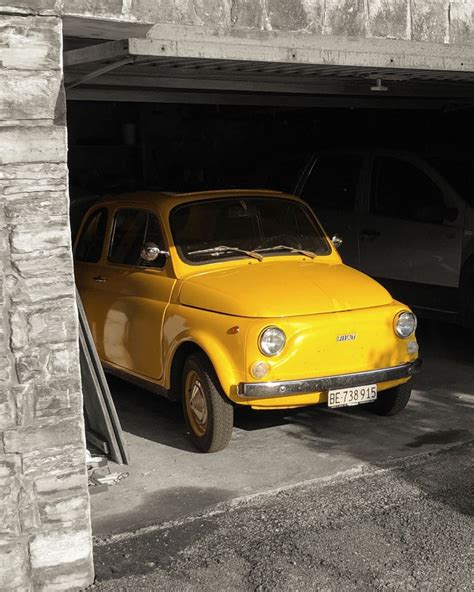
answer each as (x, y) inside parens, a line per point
(196, 404)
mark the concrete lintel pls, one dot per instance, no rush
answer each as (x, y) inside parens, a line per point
(193, 42)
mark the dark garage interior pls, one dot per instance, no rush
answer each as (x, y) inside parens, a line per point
(119, 146)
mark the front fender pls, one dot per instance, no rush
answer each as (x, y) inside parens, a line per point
(216, 334)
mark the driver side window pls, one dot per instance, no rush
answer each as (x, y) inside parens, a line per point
(132, 229)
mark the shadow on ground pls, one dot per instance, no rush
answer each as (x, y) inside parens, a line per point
(170, 479)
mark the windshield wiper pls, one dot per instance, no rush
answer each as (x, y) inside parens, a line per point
(226, 249)
(309, 254)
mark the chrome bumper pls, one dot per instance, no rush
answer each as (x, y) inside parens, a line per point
(263, 390)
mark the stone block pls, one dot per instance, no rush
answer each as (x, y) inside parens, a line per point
(50, 485)
(43, 324)
(31, 365)
(110, 8)
(31, 291)
(53, 324)
(14, 566)
(30, 438)
(10, 468)
(155, 11)
(72, 576)
(64, 510)
(5, 370)
(39, 205)
(7, 409)
(247, 14)
(32, 144)
(59, 547)
(345, 18)
(28, 509)
(57, 397)
(290, 15)
(38, 264)
(27, 187)
(27, 240)
(9, 517)
(36, 171)
(44, 363)
(32, 7)
(211, 13)
(461, 22)
(26, 95)
(64, 362)
(430, 20)
(389, 19)
(58, 470)
(19, 329)
(30, 43)
(24, 396)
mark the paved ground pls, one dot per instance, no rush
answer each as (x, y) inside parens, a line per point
(169, 480)
(405, 526)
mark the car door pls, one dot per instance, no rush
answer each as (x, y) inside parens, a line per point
(332, 189)
(90, 271)
(412, 231)
(138, 293)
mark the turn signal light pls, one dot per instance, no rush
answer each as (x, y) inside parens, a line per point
(259, 369)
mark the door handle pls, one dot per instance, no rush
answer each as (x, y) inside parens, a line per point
(100, 279)
(369, 233)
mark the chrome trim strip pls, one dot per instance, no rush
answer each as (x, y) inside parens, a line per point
(315, 385)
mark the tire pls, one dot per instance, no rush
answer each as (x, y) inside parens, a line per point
(208, 412)
(392, 401)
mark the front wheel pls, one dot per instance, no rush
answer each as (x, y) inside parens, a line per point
(208, 413)
(392, 401)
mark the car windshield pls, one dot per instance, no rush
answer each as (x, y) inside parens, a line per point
(235, 228)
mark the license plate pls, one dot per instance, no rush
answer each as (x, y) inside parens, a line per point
(352, 396)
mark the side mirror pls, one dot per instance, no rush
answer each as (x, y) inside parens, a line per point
(151, 251)
(336, 241)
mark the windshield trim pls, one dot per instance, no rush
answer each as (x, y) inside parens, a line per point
(240, 257)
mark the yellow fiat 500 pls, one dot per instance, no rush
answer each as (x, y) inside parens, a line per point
(230, 298)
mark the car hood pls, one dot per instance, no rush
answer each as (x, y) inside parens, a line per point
(281, 289)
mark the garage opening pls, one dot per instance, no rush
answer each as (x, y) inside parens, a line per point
(176, 124)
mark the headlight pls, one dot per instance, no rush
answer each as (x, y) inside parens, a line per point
(405, 324)
(272, 340)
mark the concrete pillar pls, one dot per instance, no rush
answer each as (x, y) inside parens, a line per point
(45, 535)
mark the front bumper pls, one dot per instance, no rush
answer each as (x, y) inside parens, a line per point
(255, 390)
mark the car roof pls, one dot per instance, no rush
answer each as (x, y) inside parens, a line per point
(166, 201)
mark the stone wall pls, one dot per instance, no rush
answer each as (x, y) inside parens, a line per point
(45, 539)
(435, 21)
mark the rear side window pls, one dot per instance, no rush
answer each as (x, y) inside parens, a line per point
(333, 182)
(132, 229)
(89, 247)
(401, 190)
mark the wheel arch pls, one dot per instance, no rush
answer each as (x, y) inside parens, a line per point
(183, 351)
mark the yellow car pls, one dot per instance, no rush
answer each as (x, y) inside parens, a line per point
(230, 298)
